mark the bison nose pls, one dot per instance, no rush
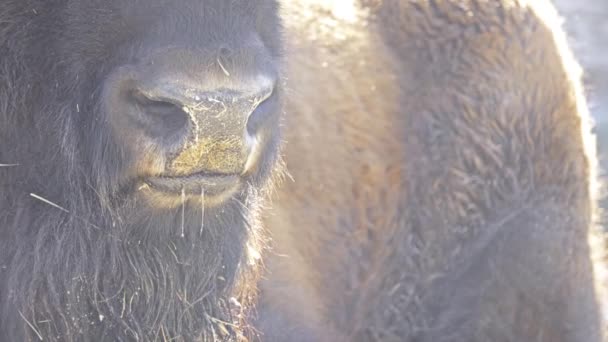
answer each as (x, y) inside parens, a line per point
(210, 130)
(174, 102)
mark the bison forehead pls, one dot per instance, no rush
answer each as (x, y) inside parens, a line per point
(95, 31)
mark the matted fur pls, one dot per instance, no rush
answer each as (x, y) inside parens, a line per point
(455, 197)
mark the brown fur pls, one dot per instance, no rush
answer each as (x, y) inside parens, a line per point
(453, 198)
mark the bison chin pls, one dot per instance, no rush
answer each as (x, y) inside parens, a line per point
(146, 275)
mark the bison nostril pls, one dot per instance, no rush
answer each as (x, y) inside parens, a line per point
(260, 114)
(159, 108)
(162, 113)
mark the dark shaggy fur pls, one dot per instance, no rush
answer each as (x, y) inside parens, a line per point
(100, 264)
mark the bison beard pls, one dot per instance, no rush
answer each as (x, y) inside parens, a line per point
(137, 278)
(80, 260)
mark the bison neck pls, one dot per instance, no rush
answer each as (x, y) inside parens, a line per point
(135, 277)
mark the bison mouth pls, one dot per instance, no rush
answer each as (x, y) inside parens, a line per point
(208, 184)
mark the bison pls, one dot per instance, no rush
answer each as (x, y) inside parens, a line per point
(310, 170)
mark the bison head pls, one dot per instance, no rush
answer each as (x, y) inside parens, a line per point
(145, 134)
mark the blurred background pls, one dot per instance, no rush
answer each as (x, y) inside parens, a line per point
(586, 22)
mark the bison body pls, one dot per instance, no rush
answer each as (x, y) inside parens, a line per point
(454, 195)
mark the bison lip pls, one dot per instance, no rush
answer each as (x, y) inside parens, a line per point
(211, 184)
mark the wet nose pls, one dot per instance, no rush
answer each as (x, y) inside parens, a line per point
(204, 128)
(213, 112)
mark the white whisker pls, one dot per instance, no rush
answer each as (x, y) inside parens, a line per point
(31, 326)
(243, 211)
(8, 165)
(183, 209)
(49, 203)
(57, 206)
(202, 210)
(223, 68)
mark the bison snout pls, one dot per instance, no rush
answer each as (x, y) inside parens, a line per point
(194, 126)
(217, 128)
(191, 129)
(170, 102)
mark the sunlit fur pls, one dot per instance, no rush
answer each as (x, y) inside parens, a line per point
(444, 185)
(93, 261)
